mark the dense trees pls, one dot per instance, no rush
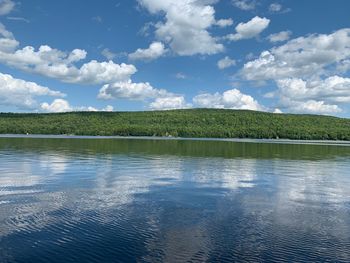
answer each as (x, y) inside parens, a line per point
(182, 123)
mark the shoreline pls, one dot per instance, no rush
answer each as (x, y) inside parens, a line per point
(239, 140)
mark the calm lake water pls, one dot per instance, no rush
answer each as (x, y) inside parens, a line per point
(124, 200)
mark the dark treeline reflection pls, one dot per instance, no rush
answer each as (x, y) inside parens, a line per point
(195, 148)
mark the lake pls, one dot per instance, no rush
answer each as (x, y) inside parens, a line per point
(127, 200)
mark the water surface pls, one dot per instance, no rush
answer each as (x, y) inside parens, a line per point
(124, 200)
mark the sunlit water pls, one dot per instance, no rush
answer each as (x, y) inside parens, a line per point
(77, 200)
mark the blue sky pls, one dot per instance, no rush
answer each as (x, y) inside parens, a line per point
(277, 56)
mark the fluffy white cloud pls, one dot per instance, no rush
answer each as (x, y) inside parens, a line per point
(301, 57)
(306, 71)
(22, 94)
(250, 29)
(162, 99)
(130, 90)
(169, 103)
(310, 106)
(224, 22)
(279, 37)
(60, 65)
(56, 64)
(226, 62)
(58, 105)
(230, 99)
(6, 6)
(313, 96)
(61, 105)
(155, 50)
(186, 25)
(245, 5)
(333, 89)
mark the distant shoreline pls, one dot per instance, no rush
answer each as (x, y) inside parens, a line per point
(199, 124)
(240, 140)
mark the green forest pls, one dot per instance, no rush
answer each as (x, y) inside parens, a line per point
(201, 123)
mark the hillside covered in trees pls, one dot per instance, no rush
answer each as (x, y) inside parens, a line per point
(180, 123)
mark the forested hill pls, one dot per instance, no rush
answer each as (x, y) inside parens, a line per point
(180, 123)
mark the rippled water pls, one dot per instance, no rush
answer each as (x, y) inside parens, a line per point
(79, 200)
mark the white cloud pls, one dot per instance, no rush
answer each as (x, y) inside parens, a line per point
(154, 51)
(245, 5)
(224, 22)
(186, 25)
(250, 29)
(278, 8)
(306, 71)
(60, 65)
(108, 54)
(22, 94)
(61, 105)
(58, 105)
(279, 37)
(230, 99)
(6, 6)
(130, 90)
(56, 64)
(226, 62)
(168, 103)
(310, 106)
(275, 7)
(302, 57)
(313, 96)
(162, 99)
(334, 89)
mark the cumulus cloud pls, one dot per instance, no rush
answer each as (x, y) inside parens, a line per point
(58, 105)
(301, 57)
(169, 103)
(224, 22)
(161, 98)
(60, 65)
(154, 51)
(226, 62)
(306, 71)
(130, 90)
(313, 96)
(61, 105)
(230, 99)
(279, 37)
(245, 5)
(250, 29)
(57, 64)
(22, 94)
(6, 6)
(186, 25)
